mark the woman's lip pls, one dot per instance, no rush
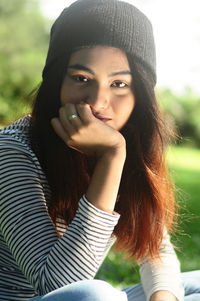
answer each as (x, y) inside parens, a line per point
(103, 118)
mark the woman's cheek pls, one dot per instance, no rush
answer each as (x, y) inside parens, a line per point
(70, 95)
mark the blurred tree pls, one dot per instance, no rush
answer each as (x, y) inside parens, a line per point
(182, 113)
(24, 39)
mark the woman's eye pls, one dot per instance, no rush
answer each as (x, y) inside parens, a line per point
(80, 78)
(119, 84)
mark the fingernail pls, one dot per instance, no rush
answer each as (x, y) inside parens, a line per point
(53, 119)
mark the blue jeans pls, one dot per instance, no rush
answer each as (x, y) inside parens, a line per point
(98, 290)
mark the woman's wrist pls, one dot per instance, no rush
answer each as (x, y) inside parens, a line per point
(118, 150)
(104, 185)
(117, 154)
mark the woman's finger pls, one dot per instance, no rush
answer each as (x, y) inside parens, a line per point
(65, 121)
(59, 130)
(85, 113)
(70, 116)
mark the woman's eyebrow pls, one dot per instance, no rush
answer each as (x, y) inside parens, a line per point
(122, 72)
(81, 67)
(84, 68)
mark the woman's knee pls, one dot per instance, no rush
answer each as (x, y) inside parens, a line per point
(193, 297)
(96, 290)
(85, 290)
(191, 282)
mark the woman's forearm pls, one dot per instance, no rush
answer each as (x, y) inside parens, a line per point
(163, 296)
(103, 189)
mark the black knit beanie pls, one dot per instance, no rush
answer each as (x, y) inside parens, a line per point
(103, 22)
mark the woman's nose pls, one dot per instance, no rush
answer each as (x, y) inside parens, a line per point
(98, 98)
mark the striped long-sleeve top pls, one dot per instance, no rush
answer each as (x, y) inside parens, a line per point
(34, 259)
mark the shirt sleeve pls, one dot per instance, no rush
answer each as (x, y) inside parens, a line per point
(164, 274)
(48, 261)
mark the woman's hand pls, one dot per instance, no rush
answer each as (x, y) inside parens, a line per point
(86, 133)
(91, 136)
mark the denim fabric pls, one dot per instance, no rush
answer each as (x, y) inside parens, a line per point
(85, 290)
(98, 290)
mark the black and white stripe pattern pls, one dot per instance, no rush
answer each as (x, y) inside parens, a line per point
(33, 259)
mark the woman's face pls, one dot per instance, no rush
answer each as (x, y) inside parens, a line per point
(100, 76)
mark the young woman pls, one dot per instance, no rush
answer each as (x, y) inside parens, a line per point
(87, 168)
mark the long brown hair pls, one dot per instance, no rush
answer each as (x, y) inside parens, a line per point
(145, 200)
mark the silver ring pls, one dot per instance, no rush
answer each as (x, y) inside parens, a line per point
(70, 117)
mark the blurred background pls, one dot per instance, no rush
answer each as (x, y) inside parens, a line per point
(24, 36)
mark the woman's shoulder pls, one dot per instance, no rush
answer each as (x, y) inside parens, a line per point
(15, 148)
(15, 142)
(16, 135)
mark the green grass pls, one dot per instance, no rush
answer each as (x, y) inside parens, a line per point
(185, 170)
